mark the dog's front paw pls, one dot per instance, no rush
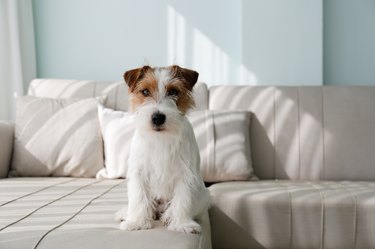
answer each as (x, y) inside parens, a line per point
(120, 215)
(186, 227)
(130, 225)
(166, 218)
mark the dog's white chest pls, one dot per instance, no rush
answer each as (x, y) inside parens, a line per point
(165, 160)
(164, 167)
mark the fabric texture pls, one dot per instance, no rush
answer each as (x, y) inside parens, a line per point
(306, 133)
(349, 136)
(117, 130)
(62, 213)
(6, 146)
(224, 143)
(293, 214)
(57, 137)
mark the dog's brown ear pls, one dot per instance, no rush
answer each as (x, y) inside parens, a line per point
(131, 77)
(190, 76)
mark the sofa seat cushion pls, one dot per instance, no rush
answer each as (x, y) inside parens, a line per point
(77, 213)
(290, 214)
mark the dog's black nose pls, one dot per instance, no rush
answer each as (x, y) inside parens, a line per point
(158, 118)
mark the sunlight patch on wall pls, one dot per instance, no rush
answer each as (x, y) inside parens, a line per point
(190, 47)
(176, 36)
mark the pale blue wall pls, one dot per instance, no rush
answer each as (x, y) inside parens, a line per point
(284, 42)
(349, 42)
(93, 39)
(100, 39)
(223, 40)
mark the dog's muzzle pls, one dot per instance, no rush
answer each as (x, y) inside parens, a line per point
(158, 119)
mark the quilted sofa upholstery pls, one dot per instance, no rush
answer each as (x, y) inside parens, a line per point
(311, 147)
(54, 212)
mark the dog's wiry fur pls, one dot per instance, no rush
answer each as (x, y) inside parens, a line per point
(164, 179)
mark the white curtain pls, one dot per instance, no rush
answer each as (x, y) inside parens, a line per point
(17, 52)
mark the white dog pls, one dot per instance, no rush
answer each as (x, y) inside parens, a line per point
(164, 179)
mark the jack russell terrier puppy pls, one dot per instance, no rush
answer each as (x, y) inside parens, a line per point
(164, 180)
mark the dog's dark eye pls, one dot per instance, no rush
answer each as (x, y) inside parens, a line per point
(145, 92)
(173, 92)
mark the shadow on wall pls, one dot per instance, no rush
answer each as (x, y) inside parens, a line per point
(190, 46)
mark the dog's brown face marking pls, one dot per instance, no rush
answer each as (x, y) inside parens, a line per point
(143, 87)
(178, 91)
(153, 84)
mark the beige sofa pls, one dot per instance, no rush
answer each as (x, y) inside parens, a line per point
(313, 149)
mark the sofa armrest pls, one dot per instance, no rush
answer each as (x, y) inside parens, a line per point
(6, 146)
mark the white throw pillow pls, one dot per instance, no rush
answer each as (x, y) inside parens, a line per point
(222, 136)
(223, 139)
(57, 137)
(117, 130)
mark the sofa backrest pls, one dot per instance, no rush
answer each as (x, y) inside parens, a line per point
(116, 92)
(313, 133)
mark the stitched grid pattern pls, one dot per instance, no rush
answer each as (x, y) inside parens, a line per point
(295, 214)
